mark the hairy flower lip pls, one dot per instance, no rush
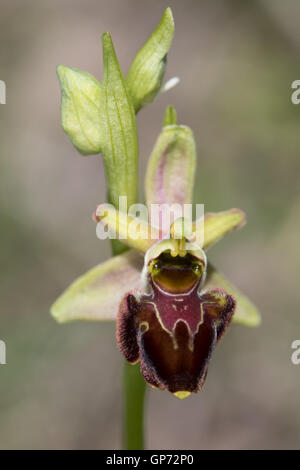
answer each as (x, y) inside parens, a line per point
(173, 334)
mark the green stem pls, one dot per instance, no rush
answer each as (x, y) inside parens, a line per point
(134, 388)
(134, 398)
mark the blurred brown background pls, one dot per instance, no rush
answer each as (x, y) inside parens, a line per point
(61, 387)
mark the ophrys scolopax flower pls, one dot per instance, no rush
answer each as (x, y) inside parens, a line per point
(171, 306)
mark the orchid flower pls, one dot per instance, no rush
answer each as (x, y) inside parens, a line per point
(171, 306)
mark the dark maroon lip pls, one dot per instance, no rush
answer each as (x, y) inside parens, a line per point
(173, 340)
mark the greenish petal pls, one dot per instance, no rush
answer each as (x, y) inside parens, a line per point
(218, 224)
(132, 231)
(80, 104)
(246, 313)
(118, 127)
(147, 70)
(171, 167)
(97, 294)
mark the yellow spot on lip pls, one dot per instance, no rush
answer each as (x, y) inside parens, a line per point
(182, 394)
(144, 327)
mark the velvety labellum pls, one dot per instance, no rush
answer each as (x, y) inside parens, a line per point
(173, 327)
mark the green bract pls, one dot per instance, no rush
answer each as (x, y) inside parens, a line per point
(80, 106)
(100, 118)
(146, 72)
(118, 129)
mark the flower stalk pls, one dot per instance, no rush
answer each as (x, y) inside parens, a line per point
(134, 396)
(134, 391)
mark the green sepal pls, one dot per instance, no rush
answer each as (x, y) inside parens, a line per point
(96, 295)
(145, 75)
